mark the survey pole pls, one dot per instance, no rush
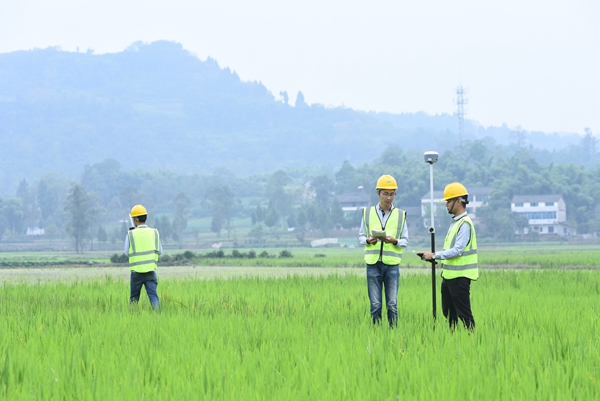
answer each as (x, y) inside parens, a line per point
(431, 157)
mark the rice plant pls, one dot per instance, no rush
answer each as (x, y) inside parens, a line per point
(300, 337)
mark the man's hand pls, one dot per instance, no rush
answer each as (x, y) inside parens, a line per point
(427, 256)
(390, 240)
(371, 240)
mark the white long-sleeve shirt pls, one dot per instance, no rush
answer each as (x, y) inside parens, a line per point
(383, 216)
(462, 239)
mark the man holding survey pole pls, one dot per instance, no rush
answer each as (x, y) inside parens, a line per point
(384, 234)
(458, 259)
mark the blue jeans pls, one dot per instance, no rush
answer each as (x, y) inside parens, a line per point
(144, 279)
(381, 275)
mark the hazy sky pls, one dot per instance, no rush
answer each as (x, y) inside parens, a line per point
(533, 63)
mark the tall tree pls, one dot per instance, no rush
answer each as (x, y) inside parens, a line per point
(346, 179)
(276, 193)
(284, 96)
(80, 210)
(131, 196)
(103, 178)
(336, 214)
(323, 188)
(101, 235)
(12, 210)
(258, 214)
(272, 216)
(51, 191)
(301, 220)
(47, 200)
(589, 146)
(216, 224)
(3, 226)
(31, 212)
(300, 99)
(180, 220)
(164, 227)
(221, 200)
(392, 156)
(114, 210)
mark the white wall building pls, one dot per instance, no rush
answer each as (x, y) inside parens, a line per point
(546, 214)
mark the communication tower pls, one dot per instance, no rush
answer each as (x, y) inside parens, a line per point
(460, 111)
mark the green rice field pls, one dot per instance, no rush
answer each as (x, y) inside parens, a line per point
(297, 334)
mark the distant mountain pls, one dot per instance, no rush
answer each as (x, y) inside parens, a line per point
(157, 106)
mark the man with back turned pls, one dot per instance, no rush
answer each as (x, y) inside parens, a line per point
(143, 246)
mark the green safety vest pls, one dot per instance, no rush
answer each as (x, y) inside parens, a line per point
(144, 245)
(389, 253)
(465, 265)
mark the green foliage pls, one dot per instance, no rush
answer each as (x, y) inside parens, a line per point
(279, 198)
(215, 254)
(119, 259)
(271, 216)
(63, 262)
(533, 255)
(258, 214)
(12, 211)
(221, 200)
(182, 204)
(101, 235)
(285, 254)
(81, 212)
(256, 234)
(164, 227)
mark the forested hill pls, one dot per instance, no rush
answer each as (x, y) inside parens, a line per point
(157, 106)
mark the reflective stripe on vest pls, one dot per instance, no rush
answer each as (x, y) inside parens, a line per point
(389, 253)
(465, 265)
(144, 245)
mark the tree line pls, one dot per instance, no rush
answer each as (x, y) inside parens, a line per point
(302, 198)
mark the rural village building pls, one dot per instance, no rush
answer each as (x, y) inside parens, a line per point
(546, 214)
(351, 202)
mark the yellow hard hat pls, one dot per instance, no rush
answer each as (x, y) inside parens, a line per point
(138, 210)
(386, 182)
(454, 190)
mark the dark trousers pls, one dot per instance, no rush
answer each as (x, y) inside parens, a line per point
(456, 302)
(147, 280)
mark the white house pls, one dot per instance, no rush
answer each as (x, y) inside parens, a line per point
(477, 197)
(546, 214)
(34, 231)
